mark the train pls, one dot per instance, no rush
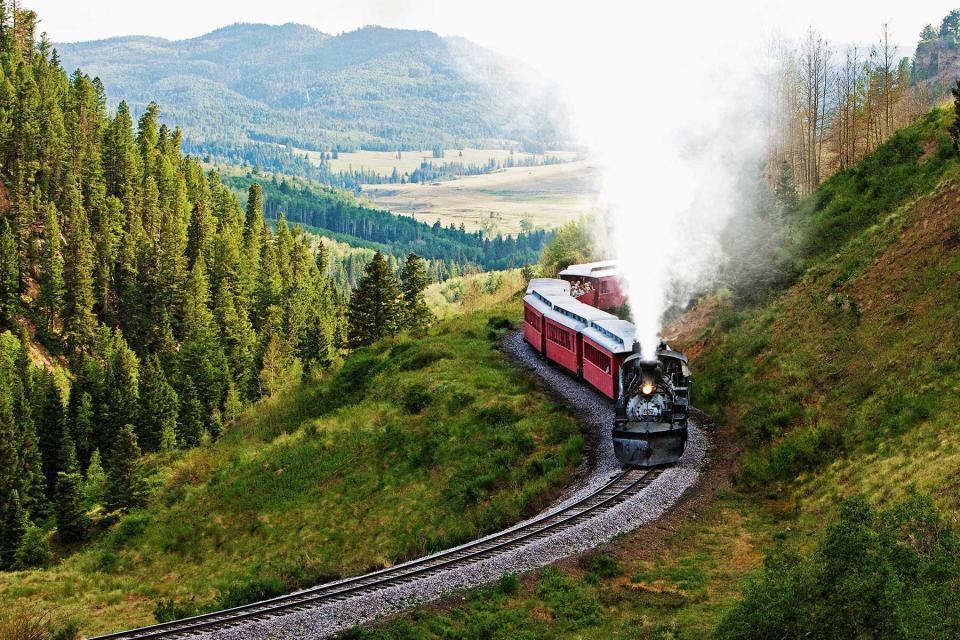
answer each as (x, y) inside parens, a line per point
(567, 320)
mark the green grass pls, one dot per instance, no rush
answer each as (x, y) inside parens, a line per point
(409, 448)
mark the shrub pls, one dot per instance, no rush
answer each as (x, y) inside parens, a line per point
(167, 610)
(244, 592)
(417, 359)
(416, 399)
(500, 415)
(509, 583)
(34, 549)
(601, 565)
(874, 575)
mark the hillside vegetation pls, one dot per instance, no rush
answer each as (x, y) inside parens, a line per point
(840, 399)
(411, 447)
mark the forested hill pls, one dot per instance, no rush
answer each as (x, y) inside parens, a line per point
(336, 213)
(240, 87)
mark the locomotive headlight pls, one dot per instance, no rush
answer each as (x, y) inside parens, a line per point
(647, 388)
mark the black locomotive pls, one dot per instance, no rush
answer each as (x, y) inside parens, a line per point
(650, 415)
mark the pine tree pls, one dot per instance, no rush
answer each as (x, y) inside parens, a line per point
(253, 223)
(14, 527)
(34, 549)
(81, 423)
(158, 406)
(191, 418)
(201, 356)
(237, 336)
(121, 388)
(375, 309)
(9, 275)
(51, 266)
(125, 484)
(72, 521)
(79, 320)
(322, 258)
(413, 280)
(786, 189)
(955, 125)
(95, 484)
(49, 420)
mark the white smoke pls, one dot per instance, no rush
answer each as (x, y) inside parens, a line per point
(673, 114)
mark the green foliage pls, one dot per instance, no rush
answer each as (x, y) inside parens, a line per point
(9, 274)
(413, 280)
(600, 565)
(125, 483)
(139, 272)
(158, 407)
(52, 285)
(572, 244)
(375, 306)
(72, 522)
(338, 215)
(876, 574)
(509, 584)
(568, 600)
(95, 483)
(854, 199)
(34, 549)
(291, 483)
(13, 527)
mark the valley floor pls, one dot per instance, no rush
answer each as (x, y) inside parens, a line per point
(545, 196)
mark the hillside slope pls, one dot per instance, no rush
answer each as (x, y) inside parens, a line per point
(412, 447)
(375, 87)
(846, 384)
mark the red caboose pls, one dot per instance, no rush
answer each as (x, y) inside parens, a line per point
(596, 283)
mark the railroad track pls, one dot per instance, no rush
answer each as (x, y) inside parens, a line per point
(618, 489)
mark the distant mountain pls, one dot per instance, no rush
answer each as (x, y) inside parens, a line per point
(373, 88)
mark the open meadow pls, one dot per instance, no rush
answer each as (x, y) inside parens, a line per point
(545, 196)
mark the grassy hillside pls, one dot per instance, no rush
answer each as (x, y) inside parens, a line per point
(846, 385)
(410, 448)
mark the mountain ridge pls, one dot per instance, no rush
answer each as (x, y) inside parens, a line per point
(247, 85)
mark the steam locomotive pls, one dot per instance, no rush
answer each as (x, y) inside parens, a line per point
(651, 391)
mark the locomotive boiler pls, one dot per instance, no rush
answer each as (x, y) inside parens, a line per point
(650, 415)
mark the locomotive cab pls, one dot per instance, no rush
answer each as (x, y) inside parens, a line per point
(650, 415)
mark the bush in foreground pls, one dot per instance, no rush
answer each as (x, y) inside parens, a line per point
(892, 573)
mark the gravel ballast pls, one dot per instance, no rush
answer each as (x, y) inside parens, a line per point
(596, 413)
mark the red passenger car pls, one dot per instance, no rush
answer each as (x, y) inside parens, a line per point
(563, 325)
(538, 301)
(582, 339)
(596, 283)
(606, 342)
